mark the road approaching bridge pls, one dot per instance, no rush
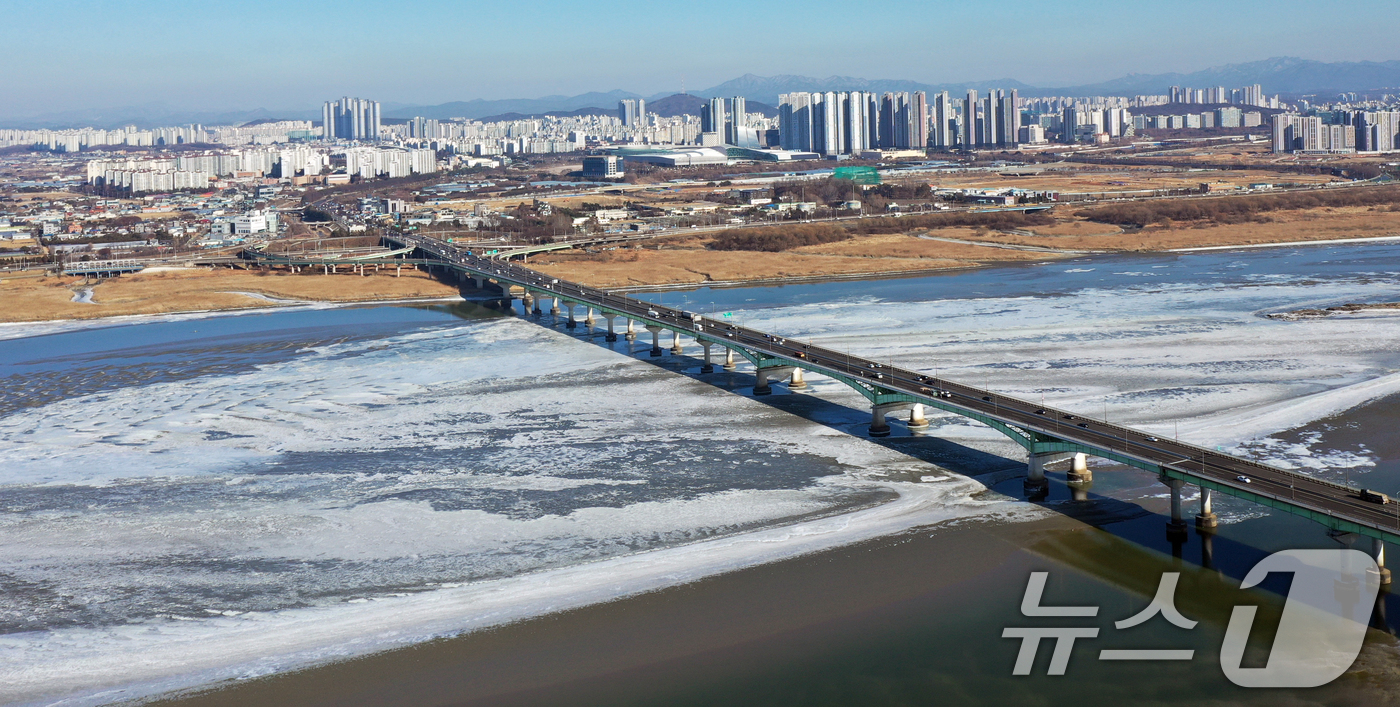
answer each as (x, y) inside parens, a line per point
(1047, 434)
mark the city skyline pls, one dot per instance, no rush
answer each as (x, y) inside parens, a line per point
(282, 49)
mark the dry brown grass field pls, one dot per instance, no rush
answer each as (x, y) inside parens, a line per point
(1283, 227)
(39, 299)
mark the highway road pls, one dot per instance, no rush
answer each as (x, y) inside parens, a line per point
(1228, 473)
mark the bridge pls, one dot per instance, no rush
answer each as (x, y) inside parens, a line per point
(1047, 434)
(103, 268)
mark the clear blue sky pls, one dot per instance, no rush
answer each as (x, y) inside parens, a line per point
(293, 54)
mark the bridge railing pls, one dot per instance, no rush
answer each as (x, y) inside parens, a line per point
(103, 265)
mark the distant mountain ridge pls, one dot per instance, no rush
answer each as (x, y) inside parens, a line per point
(1289, 75)
(768, 88)
(1284, 74)
(480, 108)
(687, 104)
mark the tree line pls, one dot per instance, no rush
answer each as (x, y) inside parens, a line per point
(1237, 209)
(773, 239)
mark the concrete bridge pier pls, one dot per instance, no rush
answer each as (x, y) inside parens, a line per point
(572, 323)
(729, 359)
(655, 340)
(917, 421)
(589, 321)
(612, 335)
(1206, 520)
(707, 367)
(878, 426)
(1175, 526)
(763, 375)
(554, 307)
(527, 301)
(398, 269)
(676, 344)
(1378, 553)
(1035, 470)
(796, 382)
(536, 311)
(326, 268)
(631, 334)
(1079, 472)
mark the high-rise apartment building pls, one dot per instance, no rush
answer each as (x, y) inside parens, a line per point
(737, 121)
(857, 121)
(967, 132)
(944, 123)
(712, 116)
(918, 120)
(632, 112)
(350, 119)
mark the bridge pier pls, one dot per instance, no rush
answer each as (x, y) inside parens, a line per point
(1378, 553)
(1206, 520)
(796, 382)
(655, 340)
(572, 323)
(398, 269)
(676, 344)
(729, 359)
(878, 426)
(631, 334)
(763, 375)
(707, 367)
(1079, 472)
(1176, 525)
(1035, 469)
(612, 335)
(917, 421)
(554, 307)
(589, 321)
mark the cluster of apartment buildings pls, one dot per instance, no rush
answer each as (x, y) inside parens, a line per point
(299, 163)
(196, 170)
(1215, 95)
(350, 119)
(843, 123)
(1338, 131)
(371, 162)
(73, 140)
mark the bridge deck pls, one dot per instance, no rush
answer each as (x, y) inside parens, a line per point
(1038, 428)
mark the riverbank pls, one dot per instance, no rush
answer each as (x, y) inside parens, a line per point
(692, 262)
(170, 291)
